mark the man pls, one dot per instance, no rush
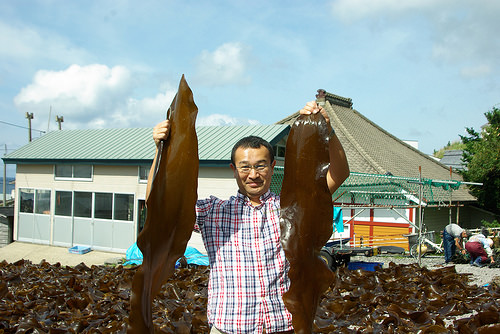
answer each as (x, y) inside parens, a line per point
(453, 236)
(248, 269)
(479, 248)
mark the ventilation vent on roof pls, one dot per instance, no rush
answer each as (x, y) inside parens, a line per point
(334, 99)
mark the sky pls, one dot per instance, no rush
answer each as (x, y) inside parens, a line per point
(423, 70)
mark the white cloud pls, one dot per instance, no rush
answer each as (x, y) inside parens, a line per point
(93, 96)
(149, 110)
(221, 119)
(86, 86)
(226, 65)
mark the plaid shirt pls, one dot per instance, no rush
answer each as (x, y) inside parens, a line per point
(248, 269)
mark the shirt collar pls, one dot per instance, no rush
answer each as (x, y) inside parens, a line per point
(263, 198)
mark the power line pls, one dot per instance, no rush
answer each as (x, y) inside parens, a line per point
(20, 126)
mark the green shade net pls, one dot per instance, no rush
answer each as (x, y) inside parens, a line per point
(385, 190)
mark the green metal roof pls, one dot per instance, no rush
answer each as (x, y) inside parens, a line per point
(216, 142)
(133, 145)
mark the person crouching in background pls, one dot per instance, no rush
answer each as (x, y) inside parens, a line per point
(479, 248)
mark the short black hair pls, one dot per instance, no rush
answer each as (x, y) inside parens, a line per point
(252, 142)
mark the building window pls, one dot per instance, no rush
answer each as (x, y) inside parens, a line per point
(279, 151)
(103, 207)
(64, 200)
(124, 207)
(82, 204)
(42, 201)
(79, 204)
(64, 171)
(80, 172)
(144, 173)
(26, 200)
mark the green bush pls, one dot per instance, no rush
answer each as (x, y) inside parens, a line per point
(492, 224)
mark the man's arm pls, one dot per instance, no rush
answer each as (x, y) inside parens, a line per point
(487, 249)
(339, 167)
(160, 132)
(459, 244)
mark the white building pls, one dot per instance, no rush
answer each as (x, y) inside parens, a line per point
(88, 187)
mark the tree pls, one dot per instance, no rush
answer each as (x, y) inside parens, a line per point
(482, 158)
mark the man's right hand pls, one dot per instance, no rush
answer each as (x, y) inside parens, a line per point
(161, 131)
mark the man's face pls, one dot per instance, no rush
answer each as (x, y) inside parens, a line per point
(253, 183)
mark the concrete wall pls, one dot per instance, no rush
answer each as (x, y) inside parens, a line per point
(216, 181)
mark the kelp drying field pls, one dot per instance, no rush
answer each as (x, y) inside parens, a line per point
(51, 298)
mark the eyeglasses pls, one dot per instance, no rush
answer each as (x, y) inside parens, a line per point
(258, 168)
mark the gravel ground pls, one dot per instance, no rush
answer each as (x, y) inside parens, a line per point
(478, 276)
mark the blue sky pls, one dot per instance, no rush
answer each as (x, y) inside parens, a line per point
(423, 70)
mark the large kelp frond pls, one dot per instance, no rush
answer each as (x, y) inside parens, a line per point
(170, 209)
(306, 217)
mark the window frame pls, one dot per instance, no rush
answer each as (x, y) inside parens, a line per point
(21, 190)
(139, 176)
(91, 209)
(37, 203)
(72, 177)
(95, 205)
(132, 207)
(277, 148)
(56, 214)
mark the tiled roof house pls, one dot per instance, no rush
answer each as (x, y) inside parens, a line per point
(371, 149)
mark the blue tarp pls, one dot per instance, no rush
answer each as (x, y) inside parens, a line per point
(192, 255)
(133, 255)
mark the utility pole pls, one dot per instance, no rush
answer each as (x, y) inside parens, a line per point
(59, 120)
(5, 180)
(29, 116)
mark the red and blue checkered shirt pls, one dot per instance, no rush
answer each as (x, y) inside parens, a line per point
(248, 269)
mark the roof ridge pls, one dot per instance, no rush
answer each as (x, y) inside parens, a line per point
(334, 99)
(353, 140)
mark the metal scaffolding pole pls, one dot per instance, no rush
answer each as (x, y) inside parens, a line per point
(420, 215)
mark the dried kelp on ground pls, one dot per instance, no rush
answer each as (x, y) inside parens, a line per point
(45, 298)
(406, 299)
